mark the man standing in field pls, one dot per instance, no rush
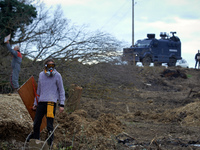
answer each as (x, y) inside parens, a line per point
(197, 59)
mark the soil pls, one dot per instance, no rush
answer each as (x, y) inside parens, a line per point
(160, 111)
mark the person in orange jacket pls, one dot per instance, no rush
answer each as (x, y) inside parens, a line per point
(16, 65)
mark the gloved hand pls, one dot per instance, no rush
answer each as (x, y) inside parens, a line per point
(34, 107)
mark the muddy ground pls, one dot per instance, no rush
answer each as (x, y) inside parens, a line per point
(155, 112)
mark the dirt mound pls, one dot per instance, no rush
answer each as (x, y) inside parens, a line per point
(14, 118)
(187, 115)
(15, 123)
(77, 124)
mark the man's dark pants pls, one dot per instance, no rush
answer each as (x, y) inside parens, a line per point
(40, 112)
(197, 62)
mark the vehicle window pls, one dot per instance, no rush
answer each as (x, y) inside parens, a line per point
(144, 43)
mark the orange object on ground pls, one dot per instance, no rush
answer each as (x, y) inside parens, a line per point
(27, 93)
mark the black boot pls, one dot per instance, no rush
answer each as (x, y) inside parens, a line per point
(50, 140)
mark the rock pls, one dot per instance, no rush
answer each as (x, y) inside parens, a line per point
(35, 144)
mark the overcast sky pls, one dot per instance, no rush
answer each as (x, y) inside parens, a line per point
(151, 16)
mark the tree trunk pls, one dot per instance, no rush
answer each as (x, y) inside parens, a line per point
(73, 101)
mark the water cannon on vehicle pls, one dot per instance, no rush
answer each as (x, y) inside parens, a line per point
(151, 50)
(163, 35)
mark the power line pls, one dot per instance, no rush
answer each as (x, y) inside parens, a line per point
(119, 20)
(115, 14)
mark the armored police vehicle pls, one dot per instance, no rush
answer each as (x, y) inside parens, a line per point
(151, 50)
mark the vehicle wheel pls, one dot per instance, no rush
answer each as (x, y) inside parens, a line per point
(146, 61)
(172, 62)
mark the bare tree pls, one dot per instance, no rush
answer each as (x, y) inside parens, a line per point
(52, 35)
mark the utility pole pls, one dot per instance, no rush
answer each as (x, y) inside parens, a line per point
(132, 22)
